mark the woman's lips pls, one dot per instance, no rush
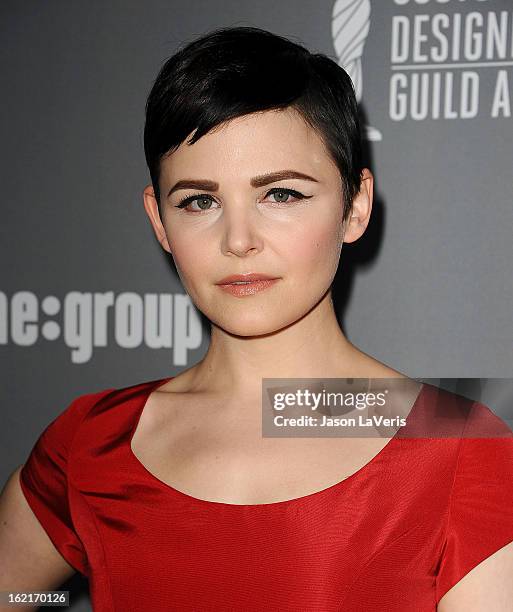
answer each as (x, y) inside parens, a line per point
(248, 288)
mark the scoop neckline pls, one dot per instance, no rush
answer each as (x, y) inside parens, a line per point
(142, 400)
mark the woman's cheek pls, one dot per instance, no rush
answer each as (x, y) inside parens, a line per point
(188, 259)
(317, 246)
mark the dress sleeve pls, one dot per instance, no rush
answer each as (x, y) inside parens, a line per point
(44, 481)
(480, 518)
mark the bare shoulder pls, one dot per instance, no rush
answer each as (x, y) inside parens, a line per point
(488, 586)
(183, 382)
(33, 561)
(367, 366)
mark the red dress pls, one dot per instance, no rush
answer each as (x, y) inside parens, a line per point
(394, 536)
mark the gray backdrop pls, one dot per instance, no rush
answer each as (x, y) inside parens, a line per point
(428, 289)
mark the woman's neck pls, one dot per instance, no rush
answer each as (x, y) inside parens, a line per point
(312, 347)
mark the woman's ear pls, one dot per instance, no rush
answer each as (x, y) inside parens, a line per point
(152, 210)
(361, 209)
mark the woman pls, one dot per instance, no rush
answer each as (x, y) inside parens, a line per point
(165, 493)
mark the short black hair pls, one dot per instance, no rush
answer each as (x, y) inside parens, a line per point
(233, 71)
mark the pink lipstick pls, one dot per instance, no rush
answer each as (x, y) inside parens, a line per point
(241, 285)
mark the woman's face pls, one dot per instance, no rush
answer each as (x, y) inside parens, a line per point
(236, 225)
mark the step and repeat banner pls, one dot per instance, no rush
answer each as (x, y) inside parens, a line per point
(88, 298)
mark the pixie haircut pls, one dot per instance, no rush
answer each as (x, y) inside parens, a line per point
(234, 71)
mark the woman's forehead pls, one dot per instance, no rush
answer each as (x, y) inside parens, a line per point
(260, 142)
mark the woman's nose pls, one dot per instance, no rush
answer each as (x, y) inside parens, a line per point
(240, 234)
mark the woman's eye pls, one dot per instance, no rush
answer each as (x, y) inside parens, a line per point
(281, 195)
(205, 201)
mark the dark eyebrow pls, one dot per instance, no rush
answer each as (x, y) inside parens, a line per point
(257, 181)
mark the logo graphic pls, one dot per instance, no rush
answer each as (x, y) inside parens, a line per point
(83, 321)
(349, 29)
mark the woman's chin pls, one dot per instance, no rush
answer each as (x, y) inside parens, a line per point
(258, 325)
